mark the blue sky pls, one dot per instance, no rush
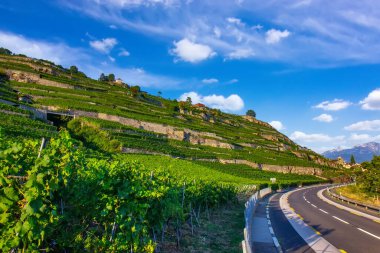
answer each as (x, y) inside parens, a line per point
(309, 67)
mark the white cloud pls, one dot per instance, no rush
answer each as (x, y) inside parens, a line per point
(241, 53)
(231, 103)
(56, 52)
(363, 138)
(124, 52)
(324, 118)
(343, 34)
(257, 27)
(233, 81)
(335, 105)
(235, 21)
(312, 138)
(217, 32)
(274, 36)
(189, 51)
(210, 80)
(135, 3)
(372, 101)
(367, 125)
(104, 45)
(277, 125)
(111, 58)
(114, 27)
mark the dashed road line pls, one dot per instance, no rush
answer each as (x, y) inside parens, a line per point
(340, 220)
(342, 251)
(274, 238)
(313, 205)
(323, 211)
(368, 233)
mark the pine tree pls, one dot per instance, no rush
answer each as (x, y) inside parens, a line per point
(352, 160)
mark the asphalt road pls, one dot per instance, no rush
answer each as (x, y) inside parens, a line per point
(288, 238)
(346, 231)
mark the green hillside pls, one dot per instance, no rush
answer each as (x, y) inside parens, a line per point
(194, 132)
(123, 170)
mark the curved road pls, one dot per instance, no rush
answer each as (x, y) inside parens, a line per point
(346, 231)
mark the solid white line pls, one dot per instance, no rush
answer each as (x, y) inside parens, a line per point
(323, 211)
(314, 205)
(369, 233)
(341, 220)
(275, 242)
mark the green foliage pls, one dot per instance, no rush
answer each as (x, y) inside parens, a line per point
(91, 134)
(5, 51)
(103, 78)
(251, 113)
(111, 77)
(73, 70)
(368, 180)
(135, 90)
(352, 160)
(64, 201)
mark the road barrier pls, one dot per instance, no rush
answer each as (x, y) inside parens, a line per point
(351, 201)
(250, 207)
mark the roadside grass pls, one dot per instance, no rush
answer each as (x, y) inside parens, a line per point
(355, 193)
(219, 231)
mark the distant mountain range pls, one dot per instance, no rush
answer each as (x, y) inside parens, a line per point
(362, 153)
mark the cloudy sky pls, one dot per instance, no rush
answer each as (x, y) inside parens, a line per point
(310, 67)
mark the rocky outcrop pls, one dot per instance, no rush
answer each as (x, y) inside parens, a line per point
(256, 121)
(26, 77)
(271, 167)
(291, 169)
(188, 135)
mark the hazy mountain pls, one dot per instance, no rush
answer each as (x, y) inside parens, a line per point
(362, 153)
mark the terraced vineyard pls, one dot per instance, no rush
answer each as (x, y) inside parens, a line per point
(55, 88)
(121, 167)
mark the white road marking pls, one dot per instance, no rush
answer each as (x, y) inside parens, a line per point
(323, 211)
(378, 237)
(314, 205)
(341, 220)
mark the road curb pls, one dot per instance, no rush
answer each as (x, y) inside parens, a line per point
(308, 234)
(348, 209)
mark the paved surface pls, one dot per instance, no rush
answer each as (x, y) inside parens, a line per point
(262, 238)
(343, 229)
(289, 239)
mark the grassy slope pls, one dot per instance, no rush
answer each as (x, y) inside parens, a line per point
(354, 192)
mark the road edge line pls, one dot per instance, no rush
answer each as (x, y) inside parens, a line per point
(353, 211)
(307, 233)
(274, 237)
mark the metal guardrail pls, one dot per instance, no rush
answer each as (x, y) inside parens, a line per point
(351, 201)
(250, 207)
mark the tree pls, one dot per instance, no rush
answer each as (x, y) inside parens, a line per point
(135, 90)
(111, 77)
(352, 160)
(369, 179)
(188, 100)
(251, 113)
(5, 51)
(103, 78)
(73, 70)
(159, 93)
